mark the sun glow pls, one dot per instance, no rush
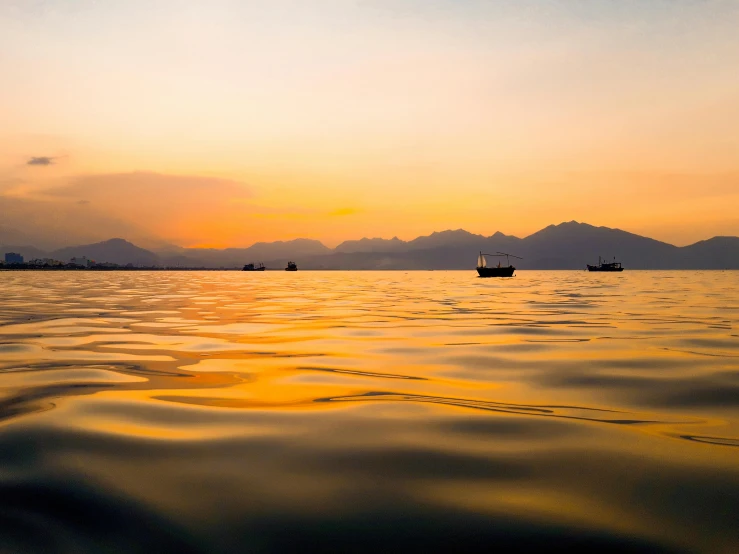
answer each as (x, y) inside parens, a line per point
(226, 124)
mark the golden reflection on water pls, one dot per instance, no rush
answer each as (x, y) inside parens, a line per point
(549, 407)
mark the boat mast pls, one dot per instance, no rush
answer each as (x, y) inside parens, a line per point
(508, 261)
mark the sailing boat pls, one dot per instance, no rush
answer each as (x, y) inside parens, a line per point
(500, 271)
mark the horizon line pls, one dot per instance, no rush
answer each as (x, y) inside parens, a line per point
(395, 237)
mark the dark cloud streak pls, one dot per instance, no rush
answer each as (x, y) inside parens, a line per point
(40, 160)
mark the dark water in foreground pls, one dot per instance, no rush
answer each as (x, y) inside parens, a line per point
(387, 411)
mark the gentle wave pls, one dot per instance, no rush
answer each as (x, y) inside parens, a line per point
(365, 411)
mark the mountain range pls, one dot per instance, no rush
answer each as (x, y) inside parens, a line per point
(568, 245)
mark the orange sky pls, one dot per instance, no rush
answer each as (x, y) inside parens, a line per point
(236, 122)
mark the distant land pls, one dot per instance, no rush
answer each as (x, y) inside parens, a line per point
(565, 246)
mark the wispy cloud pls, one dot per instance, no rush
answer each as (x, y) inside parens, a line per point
(40, 160)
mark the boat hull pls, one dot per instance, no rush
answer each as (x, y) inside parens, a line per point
(496, 271)
(291, 269)
(605, 269)
(255, 269)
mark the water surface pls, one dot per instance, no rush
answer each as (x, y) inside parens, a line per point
(369, 411)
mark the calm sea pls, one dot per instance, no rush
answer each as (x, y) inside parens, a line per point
(369, 411)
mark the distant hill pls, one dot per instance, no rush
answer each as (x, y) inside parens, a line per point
(446, 238)
(459, 238)
(571, 245)
(237, 257)
(9, 236)
(28, 252)
(284, 249)
(568, 245)
(33, 244)
(372, 245)
(715, 253)
(117, 251)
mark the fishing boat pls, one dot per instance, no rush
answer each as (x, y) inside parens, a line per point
(606, 266)
(500, 271)
(252, 267)
(291, 266)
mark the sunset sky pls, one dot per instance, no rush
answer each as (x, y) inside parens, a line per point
(222, 123)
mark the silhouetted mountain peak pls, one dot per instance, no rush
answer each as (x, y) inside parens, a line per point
(294, 242)
(118, 242)
(116, 250)
(453, 233)
(720, 240)
(445, 238)
(567, 245)
(573, 224)
(573, 229)
(371, 245)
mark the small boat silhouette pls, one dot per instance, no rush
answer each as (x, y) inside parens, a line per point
(252, 267)
(291, 266)
(500, 271)
(606, 266)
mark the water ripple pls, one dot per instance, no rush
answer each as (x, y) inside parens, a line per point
(231, 412)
